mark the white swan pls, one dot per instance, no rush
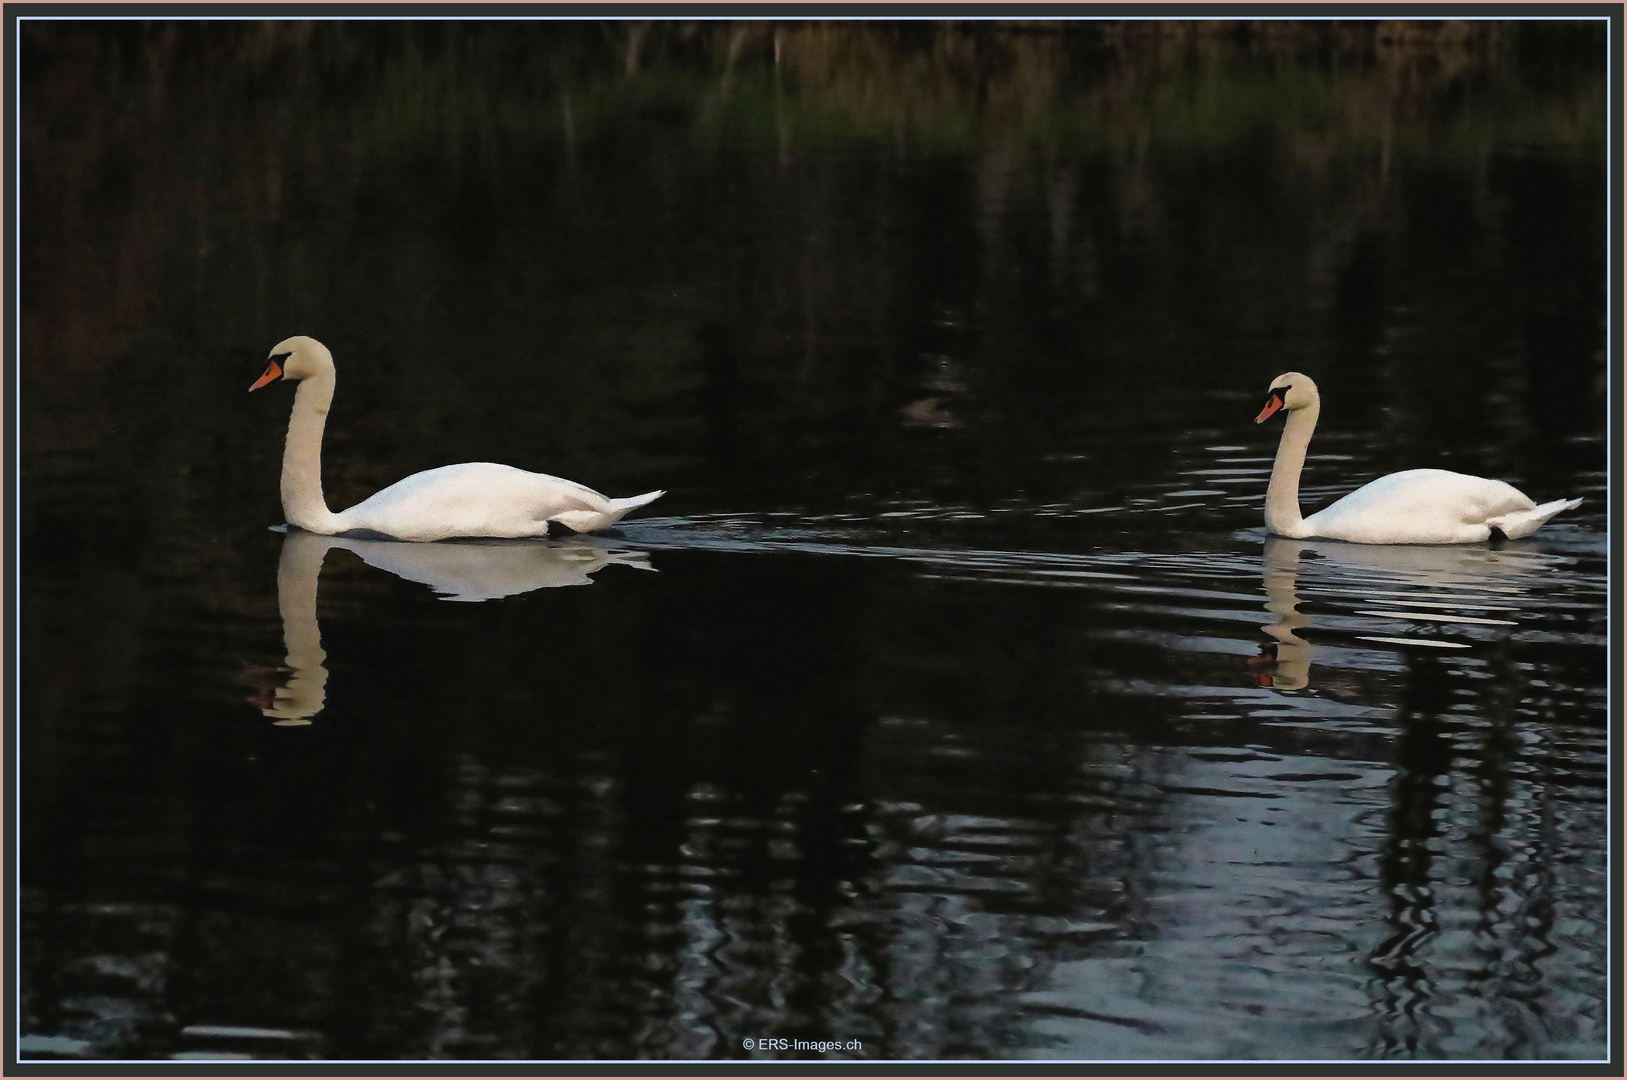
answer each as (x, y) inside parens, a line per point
(477, 498)
(1419, 506)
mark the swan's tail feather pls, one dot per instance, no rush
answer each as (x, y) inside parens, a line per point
(1525, 522)
(593, 520)
(621, 506)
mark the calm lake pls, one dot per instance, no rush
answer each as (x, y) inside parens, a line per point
(954, 702)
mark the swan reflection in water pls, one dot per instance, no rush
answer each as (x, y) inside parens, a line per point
(1288, 654)
(467, 572)
(1440, 586)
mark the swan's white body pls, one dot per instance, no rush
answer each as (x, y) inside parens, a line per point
(1419, 506)
(477, 498)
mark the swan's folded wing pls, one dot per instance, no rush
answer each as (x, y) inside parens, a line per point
(1420, 506)
(473, 499)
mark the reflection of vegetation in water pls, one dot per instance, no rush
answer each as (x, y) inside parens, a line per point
(251, 121)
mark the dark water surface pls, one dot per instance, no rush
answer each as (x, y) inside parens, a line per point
(954, 701)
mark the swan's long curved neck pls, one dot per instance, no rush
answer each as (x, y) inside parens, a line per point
(302, 501)
(1282, 496)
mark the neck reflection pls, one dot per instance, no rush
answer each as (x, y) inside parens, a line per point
(1288, 655)
(298, 568)
(465, 572)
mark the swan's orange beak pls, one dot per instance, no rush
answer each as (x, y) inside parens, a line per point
(273, 373)
(1271, 407)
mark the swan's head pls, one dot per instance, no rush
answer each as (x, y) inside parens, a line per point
(1290, 391)
(295, 358)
